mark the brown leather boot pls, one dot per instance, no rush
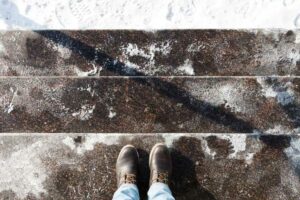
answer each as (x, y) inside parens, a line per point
(160, 164)
(127, 165)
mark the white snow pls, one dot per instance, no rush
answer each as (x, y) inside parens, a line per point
(10, 106)
(207, 150)
(85, 113)
(144, 14)
(81, 73)
(293, 152)
(170, 138)
(238, 142)
(69, 141)
(187, 67)
(111, 113)
(148, 52)
(279, 130)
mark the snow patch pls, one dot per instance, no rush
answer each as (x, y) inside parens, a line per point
(81, 73)
(143, 14)
(282, 92)
(2, 48)
(90, 140)
(63, 51)
(195, 47)
(231, 95)
(297, 40)
(293, 56)
(207, 150)
(111, 113)
(69, 141)
(10, 107)
(240, 149)
(282, 58)
(147, 52)
(238, 143)
(293, 152)
(297, 21)
(187, 67)
(279, 130)
(88, 88)
(85, 113)
(170, 138)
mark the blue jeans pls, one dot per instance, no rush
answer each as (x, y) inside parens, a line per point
(157, 191)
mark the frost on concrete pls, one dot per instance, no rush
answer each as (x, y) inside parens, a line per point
(23, 171)
(26, 91)
(234, 95)
(281, 58)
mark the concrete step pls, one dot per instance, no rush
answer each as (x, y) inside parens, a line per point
(206, 166)
(160, 53)
(149, 104)
(225, 101)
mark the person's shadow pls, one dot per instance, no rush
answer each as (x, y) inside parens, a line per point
(184, 183)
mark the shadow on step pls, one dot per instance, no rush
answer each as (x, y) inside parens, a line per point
(216, 114)
(184, 184)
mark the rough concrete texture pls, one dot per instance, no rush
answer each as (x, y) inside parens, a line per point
(182, 52)
(226, 102)
(206, 166)
(144, 105)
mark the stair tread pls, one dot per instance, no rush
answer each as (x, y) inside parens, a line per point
(211, 166)
(161, 53)
(226, 102)
(145, 105)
